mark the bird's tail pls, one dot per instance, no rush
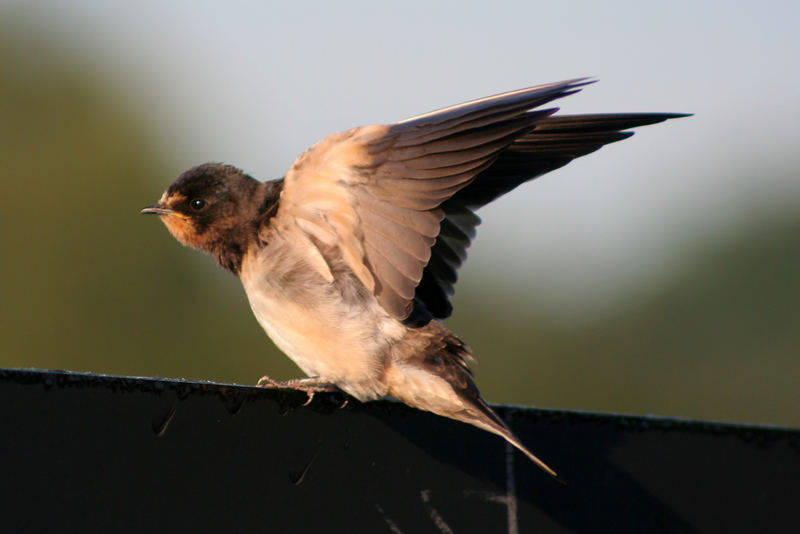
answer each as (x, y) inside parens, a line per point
(438, 379)
(479, 414)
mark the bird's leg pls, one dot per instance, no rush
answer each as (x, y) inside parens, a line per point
(310, 385)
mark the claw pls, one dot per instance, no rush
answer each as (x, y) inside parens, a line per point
(310, 385)
(265, 381)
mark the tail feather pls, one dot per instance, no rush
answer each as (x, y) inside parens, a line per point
(488, 420)
(434, 375)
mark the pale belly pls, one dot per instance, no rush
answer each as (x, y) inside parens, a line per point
(326, 337)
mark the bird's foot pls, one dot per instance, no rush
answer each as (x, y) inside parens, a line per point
(310, 385)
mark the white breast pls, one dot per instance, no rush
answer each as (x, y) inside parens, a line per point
(333, 330)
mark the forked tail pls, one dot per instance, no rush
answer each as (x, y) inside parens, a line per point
(434, 375)
(484, 417)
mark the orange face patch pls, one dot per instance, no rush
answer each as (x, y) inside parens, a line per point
(180, 226)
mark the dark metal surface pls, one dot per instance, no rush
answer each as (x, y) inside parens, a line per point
(109, 454)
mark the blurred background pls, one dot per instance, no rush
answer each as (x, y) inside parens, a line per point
(660, 275)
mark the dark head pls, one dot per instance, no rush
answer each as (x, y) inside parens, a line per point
(215, 208)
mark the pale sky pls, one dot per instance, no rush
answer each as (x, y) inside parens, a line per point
(254, 84)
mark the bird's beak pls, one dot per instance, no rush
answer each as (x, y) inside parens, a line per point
(158, 209)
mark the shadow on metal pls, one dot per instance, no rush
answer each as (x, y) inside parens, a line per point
(82, 452)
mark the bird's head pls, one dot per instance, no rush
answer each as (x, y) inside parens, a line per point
(212, 207)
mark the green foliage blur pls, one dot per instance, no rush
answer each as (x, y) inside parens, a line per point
(88, 284)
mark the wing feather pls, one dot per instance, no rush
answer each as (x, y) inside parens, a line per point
(554, 142)
(397, 202)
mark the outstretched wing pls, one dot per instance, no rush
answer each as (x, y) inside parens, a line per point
(396, 201)
(554, 142)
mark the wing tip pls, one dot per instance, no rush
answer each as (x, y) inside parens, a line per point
(657, 118)
(553, 90)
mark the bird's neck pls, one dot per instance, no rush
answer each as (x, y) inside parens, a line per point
(229, 249)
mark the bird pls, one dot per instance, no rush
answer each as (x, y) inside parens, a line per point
(349, 261)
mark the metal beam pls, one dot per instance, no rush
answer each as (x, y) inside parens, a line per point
(83, 452)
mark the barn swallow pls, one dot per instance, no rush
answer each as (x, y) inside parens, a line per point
(349, 261)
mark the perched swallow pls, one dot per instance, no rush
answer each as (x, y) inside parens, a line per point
(349, 261)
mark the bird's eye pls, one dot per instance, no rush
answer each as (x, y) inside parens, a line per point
(197, 204)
